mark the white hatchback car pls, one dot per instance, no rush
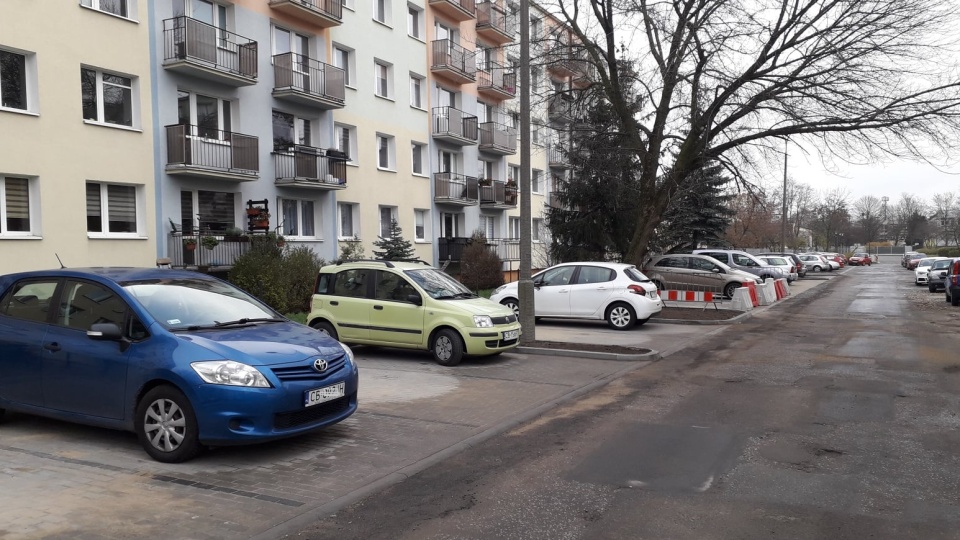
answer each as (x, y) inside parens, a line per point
(920, 274)
(615, 292)
(784, 264)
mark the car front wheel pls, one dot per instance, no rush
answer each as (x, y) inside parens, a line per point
(325, 328)
(167, 426)
(931, 288)
(513, 304)
(447, 347)
(730, 289)
(621, 316)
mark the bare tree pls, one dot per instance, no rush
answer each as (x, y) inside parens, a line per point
(906, 215)
(730, 80)
(942, 206)
(868, 210)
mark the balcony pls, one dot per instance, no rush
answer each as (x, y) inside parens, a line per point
(451, 249)
(458, 10)
(187, 250)
(508, 249)
(454, 126)
(558, 59)
(323, 13)
(492, 24)
(303, 80)
(450, 60)
(496, 194)
(560, 108)
(495, 81)
(309, 167)
(557, 156)
(205, 51)
(455, 188)
(498, 139)
(212, 153)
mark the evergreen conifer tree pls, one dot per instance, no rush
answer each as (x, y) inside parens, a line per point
(393, 247)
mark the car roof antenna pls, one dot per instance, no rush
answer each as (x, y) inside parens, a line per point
(59, 261)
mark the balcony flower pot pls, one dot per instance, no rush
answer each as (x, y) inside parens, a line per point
(189, 244)
(209, 242)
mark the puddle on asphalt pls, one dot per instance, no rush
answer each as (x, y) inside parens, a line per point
(401, 387)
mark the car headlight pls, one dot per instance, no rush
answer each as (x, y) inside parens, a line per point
(483, 321)
(498, 289)
(230, 373)
(348, 351)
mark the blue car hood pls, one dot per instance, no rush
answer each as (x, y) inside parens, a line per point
(266, 344)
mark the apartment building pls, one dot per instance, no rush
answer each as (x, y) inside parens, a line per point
(76, 135)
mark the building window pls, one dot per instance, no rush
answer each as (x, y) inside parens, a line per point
(120, 8)
(346, 140)
(210, 210)
(289, 130)
(383, 79)
(387, 215)
(489, 226)
(381, 11)
(298, 218)
(107, 98)
(416, 91)
(111, 208)
(349, 4)
(15, 201)
(536, 184)
(13, 80)
(420, 225)
(414, 22)
(536, 137)
(514, 173)
(211, 116)
(343, 58)
(514, 225)
(417, 151)
(536, 230)
(385, 152)
(348, 225)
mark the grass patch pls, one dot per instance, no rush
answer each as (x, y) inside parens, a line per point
(297, 317)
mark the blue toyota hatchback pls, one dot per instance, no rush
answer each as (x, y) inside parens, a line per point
(183, 359)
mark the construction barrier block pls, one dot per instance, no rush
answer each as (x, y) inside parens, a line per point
(752, 287)
(785, 285)
(741, 300)
(687, 296)
(767, 293)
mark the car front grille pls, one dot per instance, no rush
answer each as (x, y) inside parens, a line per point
(509, 319)
(495, 344)
(305, 372)
(315, 413)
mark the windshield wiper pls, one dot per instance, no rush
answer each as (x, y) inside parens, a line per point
(465, 295)
(240, 322)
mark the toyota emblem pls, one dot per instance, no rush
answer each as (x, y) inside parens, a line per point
(320, 365)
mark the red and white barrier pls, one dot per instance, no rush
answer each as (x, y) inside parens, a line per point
(690, 296)
(752, 288)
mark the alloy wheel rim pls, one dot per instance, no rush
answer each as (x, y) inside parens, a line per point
(164, 425)
(620, 316)
(443, 348)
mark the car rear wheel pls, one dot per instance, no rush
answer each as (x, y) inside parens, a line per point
(167, 426)
(620, 316)
(729, 289)
(325, 328)
(447, 347)
(817, 268)
(954, 300)
(513, 304)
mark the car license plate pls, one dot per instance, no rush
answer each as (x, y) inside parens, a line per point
(511, 334)
(319, 395)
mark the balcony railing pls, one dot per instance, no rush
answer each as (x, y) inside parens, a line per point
(306, 166)
(496, 194)
(498, 138)
(209, 52)
(203, 151)
(455, 188)
(459, 10)
(560, 108)
(305, 80)
(187, 250)
(559, 56)
(557, 156)
(454, 125)
(450, 59)
(508, 249)
(496, 80)
(451, 248)
(492, 23)
(323, 13)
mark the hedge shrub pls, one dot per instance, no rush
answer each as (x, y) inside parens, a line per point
(282, 277)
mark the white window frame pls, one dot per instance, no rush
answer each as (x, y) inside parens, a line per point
(421, 219)
(424, 155)
(386, 143)
(30, 81)
(140, 208)
(98, 5)
(391, 211)
(382, 79)
(134, 98)
(351, 143)
(514, 228)
(384, 16)
(415, 22)
(513, 173)
(536, 181)
(33, 207)
(349, 4)
(295, 43)
(488, 226)
(285, 229)
(354, 221)
(418, 85)
(224, 117)
(536, 228)
(350, 68)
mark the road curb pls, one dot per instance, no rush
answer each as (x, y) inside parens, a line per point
(732, 320)
(651, 356)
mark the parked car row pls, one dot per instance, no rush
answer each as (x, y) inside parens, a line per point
(939, 273)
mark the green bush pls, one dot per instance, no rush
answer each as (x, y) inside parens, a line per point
(282, 278)
(480, 267)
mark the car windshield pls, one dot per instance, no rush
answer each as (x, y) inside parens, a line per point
(941, 264)
(925, 262)
(190, 303)
(438, 284)
(776, 261)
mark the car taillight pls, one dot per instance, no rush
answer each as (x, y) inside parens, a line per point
(636, 289)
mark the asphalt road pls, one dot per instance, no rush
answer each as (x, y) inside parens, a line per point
(834, 415)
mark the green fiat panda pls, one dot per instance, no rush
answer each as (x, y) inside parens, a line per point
(410, 305)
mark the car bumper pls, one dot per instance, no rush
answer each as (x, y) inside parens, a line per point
(229, 415)
(483, 341)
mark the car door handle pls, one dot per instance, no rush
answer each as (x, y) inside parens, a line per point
(601, 288)
(52, 347)
(378, 308)
(563, 291)
(334, 303)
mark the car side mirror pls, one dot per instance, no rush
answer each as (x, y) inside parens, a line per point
(717, 270)
(415, 299)
(537, 284)
(105, 332)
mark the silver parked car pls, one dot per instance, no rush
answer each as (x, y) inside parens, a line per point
(687, 272)
(782, 263)
(741, 260)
